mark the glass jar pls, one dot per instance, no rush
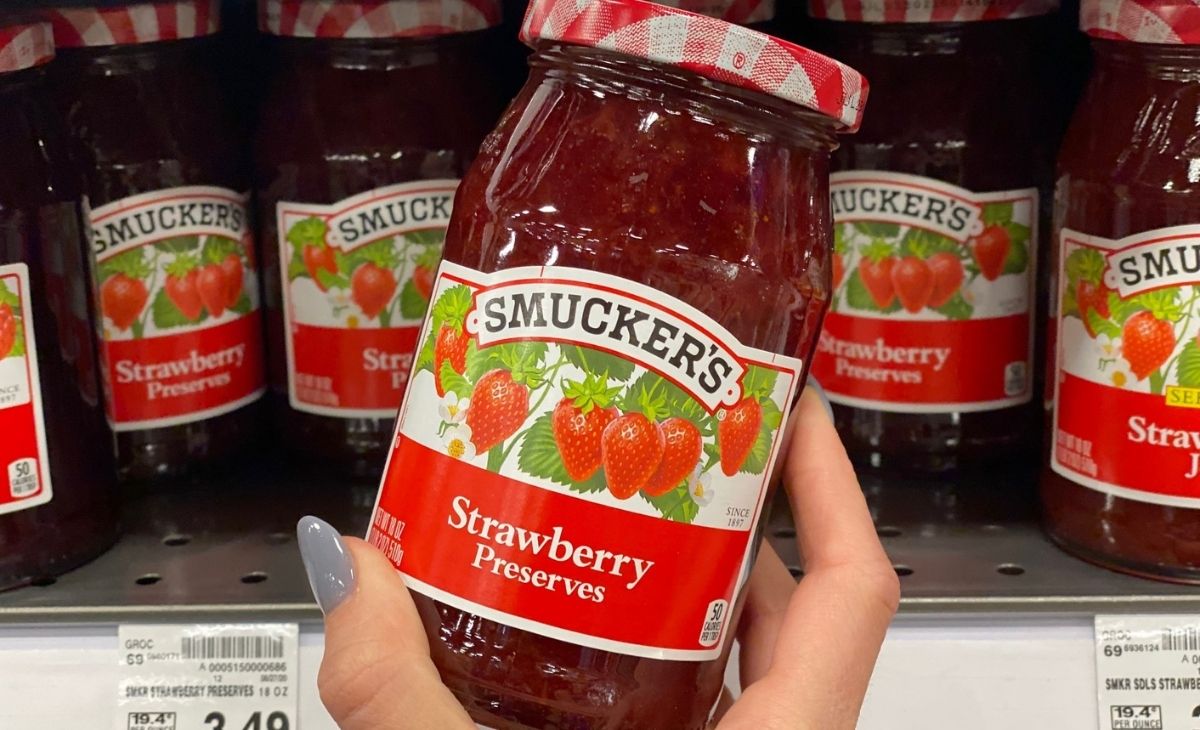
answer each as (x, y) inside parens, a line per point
(634, 277)
(1121, 488)
(928, 349)
(58, 483)
(173, 248)
(371, 116)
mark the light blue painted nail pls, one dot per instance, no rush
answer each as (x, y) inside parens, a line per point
(329, 567)
(812, 383)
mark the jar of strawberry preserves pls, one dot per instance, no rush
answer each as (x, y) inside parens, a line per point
(1123, 483)
(634, 277)
(373, 112)
(928, 349)
(172, 245)
(57, 484)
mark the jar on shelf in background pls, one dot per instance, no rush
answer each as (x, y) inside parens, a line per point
(372, 113)
(173, 245)
(57, 484)
(634, 278)
(1123, 483)
(928, 350)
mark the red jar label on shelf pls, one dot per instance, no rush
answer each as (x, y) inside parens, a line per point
(24, 461)
(933, 296)
(575, 447)
(177, 283)
(356, 283)
(1127, 385)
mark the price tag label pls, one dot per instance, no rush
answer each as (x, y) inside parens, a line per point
(207, 677)
(1148, 672)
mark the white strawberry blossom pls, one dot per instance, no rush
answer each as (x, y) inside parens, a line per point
(453, 410)
(457, 442)
(700, 487)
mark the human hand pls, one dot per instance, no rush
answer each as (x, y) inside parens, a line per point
(807, 650)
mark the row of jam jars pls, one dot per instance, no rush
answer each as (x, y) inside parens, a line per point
(638, 260)
(56, 475)
(1122, 487)
(373, 112)
(173, 251)
(928, 349)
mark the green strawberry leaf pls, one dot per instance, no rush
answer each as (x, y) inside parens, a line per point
(858, 297)
(382, 253)
(166, 315)
(1102, 326)
(333, 281)
(1085, 264)
(178, 244)
(646, 395)
(997, 213)
(1163, 304)
(452, 306)
(759, 382)
(18, 345)
(772, 417)
(1069, 306)
(242, 305)
(131, 263)
(307, 232)
(676, 505)
(840, 244)
(412, 304)
(756, 460)
(429, 256)
(453, 382)
(539, 455)
(594, 361)
(424, 359)
(1187, 371)
(430, 237)
(590, 393)
(217, 249)
(1017, 260)
(878, 230)
(9, 298)
(877, 251)
(923, 244)
(182, 264)
(956, 308)
(686, 408)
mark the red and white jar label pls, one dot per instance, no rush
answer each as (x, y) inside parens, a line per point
(1127, 357)
(24, 460)
(933, 299)
(574, 446)
(357, 280)
(177, 282)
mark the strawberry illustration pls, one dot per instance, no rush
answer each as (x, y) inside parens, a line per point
(451, 346)
(1090, 296)
(839, 270)
(231, 268)
(214, 291)
(371, 288)
(948, 276)
(736, 434)
(122, 299)
(182, 291)
(630, 449)
(578, 424)
(990, 248)
(8, 330)
(876, 276)
(913, 282)
(317, 258)
(681, 452)
(499, 405)
(1146, 343)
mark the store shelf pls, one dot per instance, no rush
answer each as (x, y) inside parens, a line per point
(994, 632)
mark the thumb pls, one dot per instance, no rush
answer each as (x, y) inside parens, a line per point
(376, 673)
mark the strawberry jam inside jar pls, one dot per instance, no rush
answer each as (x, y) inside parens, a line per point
(173, 250)
(1123, 485)
(57, 484)
(373, 112)
(928, 349)
(633, 282)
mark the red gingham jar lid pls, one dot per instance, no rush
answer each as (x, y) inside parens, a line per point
(1142, 21)
(742, 12)
(928, 11)
(707, 46)
(375, 18)
(135, 22)
(24, 46)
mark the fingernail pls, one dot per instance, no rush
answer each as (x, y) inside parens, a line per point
(816, 388)
(329, 567)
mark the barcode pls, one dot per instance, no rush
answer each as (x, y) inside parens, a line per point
(232, 647)
(1186, 639)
